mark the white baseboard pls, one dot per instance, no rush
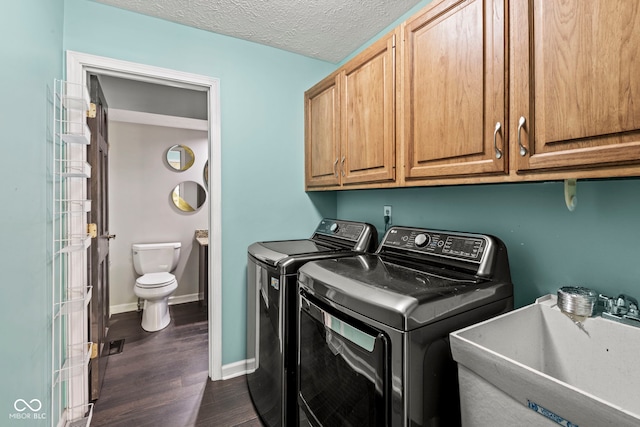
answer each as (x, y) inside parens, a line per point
(133, 306)
(234, 369)
(251, 365)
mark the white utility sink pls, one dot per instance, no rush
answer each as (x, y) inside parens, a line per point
(535, 367)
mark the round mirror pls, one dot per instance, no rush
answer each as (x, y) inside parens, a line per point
(188, 196)
(180, 157)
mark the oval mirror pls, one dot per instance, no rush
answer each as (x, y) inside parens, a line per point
(180, 157)
(188, 196)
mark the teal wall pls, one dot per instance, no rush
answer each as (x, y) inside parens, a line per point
(597, 245)
(261, 99)
(31, 52)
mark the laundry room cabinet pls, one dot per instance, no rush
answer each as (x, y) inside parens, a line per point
(350, 128)
(575, 84)
(453, 90)
(322, 133)
(487, 91)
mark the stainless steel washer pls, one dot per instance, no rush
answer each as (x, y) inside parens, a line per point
(374, 329)
(272, 269)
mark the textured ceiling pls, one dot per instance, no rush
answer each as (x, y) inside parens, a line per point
(324, 29)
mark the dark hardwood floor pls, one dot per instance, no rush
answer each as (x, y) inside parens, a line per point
(161, 379)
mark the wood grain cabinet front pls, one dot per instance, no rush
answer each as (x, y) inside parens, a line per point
(575, 85)
(350, 122)
(322, 133)
(453, 90)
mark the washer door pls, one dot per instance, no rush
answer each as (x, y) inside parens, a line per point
(343, 367)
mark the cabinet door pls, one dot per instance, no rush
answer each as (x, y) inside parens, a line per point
(368, 115)
(575, 83)
(454, 90)
(322, 133)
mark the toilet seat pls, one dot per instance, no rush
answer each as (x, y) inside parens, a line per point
(155, 280)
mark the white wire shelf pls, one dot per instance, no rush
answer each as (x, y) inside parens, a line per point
(73, 102)
(75, 363)
(70, 350)
(76, 302)
(76, 133)
(75, 169)
(84, 420)
(73, 207)
(72, 96)
(75, 243)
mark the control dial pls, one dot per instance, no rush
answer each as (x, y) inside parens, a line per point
(333, 228)
(422, 240)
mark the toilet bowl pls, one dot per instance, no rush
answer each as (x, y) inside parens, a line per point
(155, 261)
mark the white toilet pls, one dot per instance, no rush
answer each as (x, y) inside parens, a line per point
(155, 261)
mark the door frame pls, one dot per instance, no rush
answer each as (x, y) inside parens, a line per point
(78, 66)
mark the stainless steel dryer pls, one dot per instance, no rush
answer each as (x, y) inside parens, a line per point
(272, 269)
(374, 329)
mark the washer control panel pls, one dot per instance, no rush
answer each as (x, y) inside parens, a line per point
(344, 229)
(462, 246)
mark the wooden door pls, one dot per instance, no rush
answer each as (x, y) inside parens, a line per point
(368, 115)
(454, 90)
(322, 133)
(575, 83)
(98, 274)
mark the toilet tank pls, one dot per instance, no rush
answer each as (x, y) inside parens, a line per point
(155, 257)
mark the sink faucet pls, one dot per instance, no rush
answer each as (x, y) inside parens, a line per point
(622, 309)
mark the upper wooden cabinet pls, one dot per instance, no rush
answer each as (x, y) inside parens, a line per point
(575, 84)
(454, 90)
(543, 90)
(322, 133)
(350, 121)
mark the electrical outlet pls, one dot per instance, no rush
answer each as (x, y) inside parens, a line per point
(387, 210)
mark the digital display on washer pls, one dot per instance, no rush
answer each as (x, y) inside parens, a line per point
(462, 247)
(340, 229)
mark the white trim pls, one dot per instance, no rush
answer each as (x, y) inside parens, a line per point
(234, 369)
(78, 64)
(251, 365)
(133, 306)
(139, 117)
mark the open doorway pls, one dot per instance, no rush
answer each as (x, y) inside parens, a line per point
(79, 67)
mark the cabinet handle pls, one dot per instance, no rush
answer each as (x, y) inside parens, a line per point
(335, 167)
(342, 165)
(495, 144)
(523, 149)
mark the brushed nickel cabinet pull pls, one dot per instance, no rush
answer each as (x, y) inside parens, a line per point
(335, 167)
(342, 165)
(523, 149)
(495, 143)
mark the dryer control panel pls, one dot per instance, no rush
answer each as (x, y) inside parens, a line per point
(461, 246)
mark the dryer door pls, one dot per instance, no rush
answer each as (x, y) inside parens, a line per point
(343, 367)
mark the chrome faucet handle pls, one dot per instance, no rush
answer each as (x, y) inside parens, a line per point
(605, 304)
(632, 306)
(620, 305)
(625, 305)
(622, 309)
